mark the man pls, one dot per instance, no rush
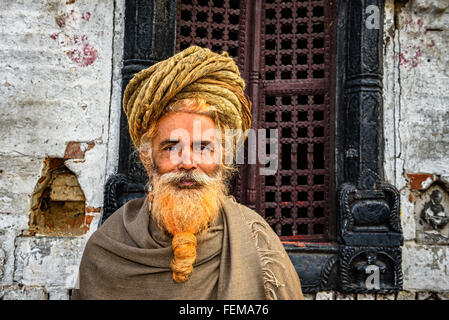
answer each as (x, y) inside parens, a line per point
(188, 239)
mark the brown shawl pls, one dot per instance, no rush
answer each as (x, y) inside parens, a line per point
(240, 257)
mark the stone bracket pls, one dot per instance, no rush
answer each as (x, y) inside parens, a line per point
(370, 269)
(369, 212)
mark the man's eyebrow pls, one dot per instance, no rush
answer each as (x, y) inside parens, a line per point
(203, 142)
(167, 142)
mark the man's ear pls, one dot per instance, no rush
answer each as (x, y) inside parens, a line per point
(145, 158)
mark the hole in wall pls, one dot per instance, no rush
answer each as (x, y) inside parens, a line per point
(58, 204)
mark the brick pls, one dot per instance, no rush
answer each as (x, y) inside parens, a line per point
(24, 293)
(424, 268)
(48, 261)
(65, 187)
(406, 295)
(427, 295)
(420, 181)
(92, 209)
(76, 150)
(56, 105)
(325, 295)
(443, 295)
(7, 238)
(364, 296)
(381, 296)
(344, 296)
(57, 293)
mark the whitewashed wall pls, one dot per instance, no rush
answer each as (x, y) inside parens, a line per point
(56, 84)
(416, 124)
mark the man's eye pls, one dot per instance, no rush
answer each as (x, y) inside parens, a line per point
(174, 147)
(205, 147)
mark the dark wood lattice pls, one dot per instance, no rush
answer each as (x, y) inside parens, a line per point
(295, 40)
(209, 23)
(296, 197)
(284, 52)
(296, 70)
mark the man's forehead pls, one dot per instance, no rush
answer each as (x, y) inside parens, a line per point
(185, 119)
(184, 125)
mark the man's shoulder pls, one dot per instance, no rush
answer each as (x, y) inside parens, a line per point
(132, 205)
(257, 225)
(249, 214)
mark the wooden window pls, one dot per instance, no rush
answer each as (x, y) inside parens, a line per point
(285, 52)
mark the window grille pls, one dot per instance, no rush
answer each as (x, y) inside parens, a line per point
(295, 96)
(209, 23)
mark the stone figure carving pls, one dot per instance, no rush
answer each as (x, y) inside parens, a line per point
(433, 212)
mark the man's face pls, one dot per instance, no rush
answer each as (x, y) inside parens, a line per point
(187, 181)
(187, 184)
(186, 142)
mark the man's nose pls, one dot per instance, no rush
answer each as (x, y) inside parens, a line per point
(187, 160)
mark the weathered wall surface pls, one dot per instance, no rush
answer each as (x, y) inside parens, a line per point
(55, 87)
(416, 122)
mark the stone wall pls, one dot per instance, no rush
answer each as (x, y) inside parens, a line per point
(416, 125)
(60, 91)
(401, 295)
(56, 82)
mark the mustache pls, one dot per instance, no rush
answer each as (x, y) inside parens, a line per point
(197, 177)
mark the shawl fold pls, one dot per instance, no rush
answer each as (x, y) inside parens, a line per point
(238, 258)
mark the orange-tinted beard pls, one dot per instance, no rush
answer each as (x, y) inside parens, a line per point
(190, 210)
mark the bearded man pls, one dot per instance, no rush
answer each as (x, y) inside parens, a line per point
(188, 239)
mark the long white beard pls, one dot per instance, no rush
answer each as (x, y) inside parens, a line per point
(191, 209)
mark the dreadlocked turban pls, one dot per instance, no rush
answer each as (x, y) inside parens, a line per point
(192, 73)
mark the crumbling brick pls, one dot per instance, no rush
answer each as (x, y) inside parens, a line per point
(420, 181)
(58, 202)
(76, 150)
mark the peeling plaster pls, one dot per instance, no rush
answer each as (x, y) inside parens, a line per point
(417, 54)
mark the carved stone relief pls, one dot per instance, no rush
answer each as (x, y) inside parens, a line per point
(369, 212)
(432, 215)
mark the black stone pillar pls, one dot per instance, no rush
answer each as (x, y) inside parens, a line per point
(371, 236)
